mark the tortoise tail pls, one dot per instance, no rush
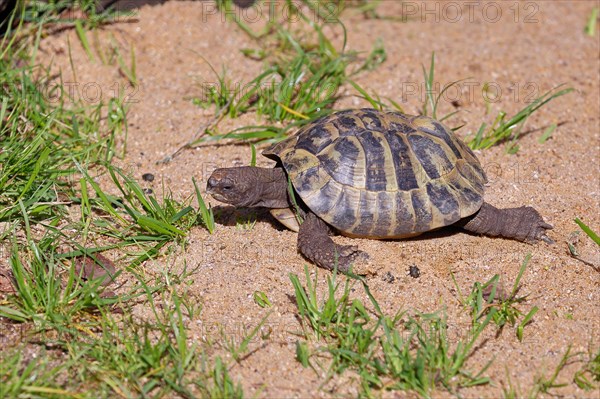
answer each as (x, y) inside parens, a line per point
(523, 224)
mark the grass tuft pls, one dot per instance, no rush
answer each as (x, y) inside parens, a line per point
(503, 130)
(302, 79)
(490, 299)
(388, 353)
(588, 377)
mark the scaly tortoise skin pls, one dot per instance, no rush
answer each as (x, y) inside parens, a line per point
(373, 174)
(382, 174)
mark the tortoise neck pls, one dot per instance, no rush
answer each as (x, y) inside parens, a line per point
(273, 186)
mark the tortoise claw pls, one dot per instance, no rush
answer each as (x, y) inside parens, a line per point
(547, 239)
(540, 231)
(347, 255)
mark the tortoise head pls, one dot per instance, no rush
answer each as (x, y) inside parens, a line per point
(249, 186)
(235, 186)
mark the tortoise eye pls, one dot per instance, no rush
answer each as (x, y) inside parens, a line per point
(226, 184)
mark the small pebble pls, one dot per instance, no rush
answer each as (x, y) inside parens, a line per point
(148, 191)
(389, 278)
(414, 271)
(148, 177)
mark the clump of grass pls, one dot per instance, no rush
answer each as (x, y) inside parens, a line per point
(40, 140)
(221, 95)
(588, 377)
(333, 317)
(150, 357)
(53, 13)
(301, 80)
(106, 353)
(544, 384)
(170, 219)
(391, 353)
(222, 385)
(125, 356)
(43, 138)
(42, 17)
(503, 130)
(33, 378)
(434, 364)
(489, 299)
(304, 70)
(137, 218)
(42, 294)
(54, 149)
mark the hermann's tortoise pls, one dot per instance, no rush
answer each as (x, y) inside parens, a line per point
(374, 174)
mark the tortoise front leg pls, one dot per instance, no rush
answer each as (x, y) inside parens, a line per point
(316, 245)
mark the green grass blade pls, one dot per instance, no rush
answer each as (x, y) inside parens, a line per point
(590, 27)
(588, 231)
(526, 320)
(43, 157)
(302, 354)
(547, 133)
(374, 103)
(518, 279)
(428, 77)
(253, 155)
(154, 225)
(83, 39)
(206, 214)
(181, 214)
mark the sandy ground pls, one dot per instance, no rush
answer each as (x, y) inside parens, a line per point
(523, 49)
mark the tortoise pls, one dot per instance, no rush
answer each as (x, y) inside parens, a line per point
(372, 174)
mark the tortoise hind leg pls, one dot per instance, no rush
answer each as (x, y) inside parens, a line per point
(316, 245)
(523, 224)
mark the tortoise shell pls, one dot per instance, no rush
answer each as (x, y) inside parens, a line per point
(382, 174)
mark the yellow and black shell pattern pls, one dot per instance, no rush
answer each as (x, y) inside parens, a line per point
(382, 174)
